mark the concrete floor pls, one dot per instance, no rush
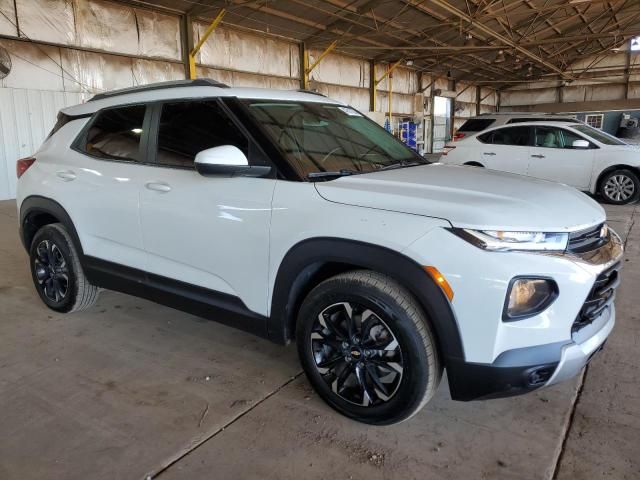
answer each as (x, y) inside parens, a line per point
(133, 390)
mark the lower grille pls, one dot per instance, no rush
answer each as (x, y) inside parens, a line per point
(601, 296)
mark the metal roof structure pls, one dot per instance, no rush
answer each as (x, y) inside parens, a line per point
(481, 41)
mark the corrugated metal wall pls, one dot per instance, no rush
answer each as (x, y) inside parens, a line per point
(26, 118)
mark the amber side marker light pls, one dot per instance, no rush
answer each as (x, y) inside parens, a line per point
(440, 281)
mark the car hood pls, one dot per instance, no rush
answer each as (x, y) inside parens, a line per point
(469, 197)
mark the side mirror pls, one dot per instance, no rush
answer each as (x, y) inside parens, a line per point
(227, 160)
(580, 144)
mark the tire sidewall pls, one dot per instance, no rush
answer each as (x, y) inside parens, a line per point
(54, 235)
(415, 359)
(627, 173)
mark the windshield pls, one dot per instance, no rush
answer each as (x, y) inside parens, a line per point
(599, 135)
(319, 137)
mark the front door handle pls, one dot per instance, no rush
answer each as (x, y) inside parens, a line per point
(538, 156)
(158, 186)
(489, 153)
(66, 175)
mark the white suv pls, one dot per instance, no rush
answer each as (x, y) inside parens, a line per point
(293, 216)
(497, 119)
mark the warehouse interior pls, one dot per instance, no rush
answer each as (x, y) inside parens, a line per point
(132, 389)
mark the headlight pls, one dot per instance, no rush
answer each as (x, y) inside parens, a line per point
(528, 296)
(498, 240)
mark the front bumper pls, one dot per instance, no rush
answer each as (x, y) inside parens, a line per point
(523, 370)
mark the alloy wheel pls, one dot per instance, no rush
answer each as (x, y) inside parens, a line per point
(619, 188)
(357, 354)
(51, 271)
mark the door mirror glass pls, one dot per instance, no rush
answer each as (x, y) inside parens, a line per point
(227, 160)
(580, 144)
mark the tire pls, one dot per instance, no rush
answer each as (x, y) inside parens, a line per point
(619, 187)
(337, 365)
(57, 273)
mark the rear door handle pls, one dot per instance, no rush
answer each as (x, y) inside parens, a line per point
(66, 175)
(538, 156)
(489, 153)
(158, 186)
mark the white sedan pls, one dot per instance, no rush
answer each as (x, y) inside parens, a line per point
(571, 153)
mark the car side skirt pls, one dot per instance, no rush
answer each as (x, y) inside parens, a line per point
(209, 304)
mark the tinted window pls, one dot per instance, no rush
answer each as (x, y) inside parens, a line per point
(115, 133)
(476, 124)
(554, 137)
(187, 128)
(518, 136)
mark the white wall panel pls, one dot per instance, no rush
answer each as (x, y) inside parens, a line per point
(48, 20)
(26, 118)
(94, 72)
(106, 26)
(236, 50)
(340, 70)
(8, 25)
(32, 66)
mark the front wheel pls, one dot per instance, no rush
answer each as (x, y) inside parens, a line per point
(367, 348)
(620, 187)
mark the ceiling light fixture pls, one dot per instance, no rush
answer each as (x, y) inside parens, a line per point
(500, 58)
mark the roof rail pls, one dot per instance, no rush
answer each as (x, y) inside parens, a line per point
(199, 82)
(312, 92)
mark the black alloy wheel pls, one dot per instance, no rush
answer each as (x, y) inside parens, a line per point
(51, 271)
(357, 354)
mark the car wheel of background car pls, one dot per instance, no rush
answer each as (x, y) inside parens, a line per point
(57, 273)
(367, 348)
(620, 187)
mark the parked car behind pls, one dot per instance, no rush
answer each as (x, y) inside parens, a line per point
(490, 120)
(566, 152)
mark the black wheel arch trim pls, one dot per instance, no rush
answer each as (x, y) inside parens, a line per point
(304, 260)
(37, 205)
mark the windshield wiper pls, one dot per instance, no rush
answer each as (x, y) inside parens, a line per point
(338, 173)
(393, 166)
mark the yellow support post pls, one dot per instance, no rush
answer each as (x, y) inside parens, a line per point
(195, 49)
(306, 69)
(377, 82)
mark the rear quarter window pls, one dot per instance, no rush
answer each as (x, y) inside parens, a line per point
(476, 124)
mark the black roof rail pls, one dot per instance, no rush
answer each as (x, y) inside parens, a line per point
(312, 92)
(199, 82)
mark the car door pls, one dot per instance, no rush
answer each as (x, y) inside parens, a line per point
(553, 157)
(100, 184)
(505, 149)
(211, 232)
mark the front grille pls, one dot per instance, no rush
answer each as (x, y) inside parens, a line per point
(601, 296)
(587, 240)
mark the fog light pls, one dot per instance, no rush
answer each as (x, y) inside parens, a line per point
(528, 296)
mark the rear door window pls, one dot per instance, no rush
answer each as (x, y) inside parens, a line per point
(476, 124)
(116, 134)
(516, 136)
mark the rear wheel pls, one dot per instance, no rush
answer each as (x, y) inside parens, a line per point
(57, 273)
(367, 348)
(620, 187)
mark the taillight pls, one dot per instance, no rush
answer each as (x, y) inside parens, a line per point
(23, 165)
(458, 136)
(447, 148)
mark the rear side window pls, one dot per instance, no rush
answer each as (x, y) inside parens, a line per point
(187, 128)
(476, 124)
(518, 136)
(115, 133)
